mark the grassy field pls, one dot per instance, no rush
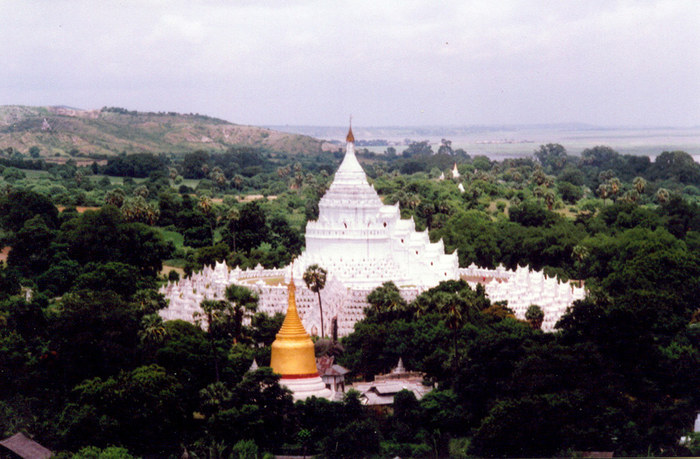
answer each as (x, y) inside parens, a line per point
(176, 238)
(35, 174)
(493, 206)
(192, 183)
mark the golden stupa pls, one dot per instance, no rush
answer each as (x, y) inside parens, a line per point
(293, 351)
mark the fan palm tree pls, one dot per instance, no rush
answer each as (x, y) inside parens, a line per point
(603, 191)
(549, 199)
(315, 279)
(453, 307)
(205, 204)
(386, 299)
(242, 303)
(614, 186)
(152, 329)
(662, 195)
(211, 312)
(115, 197)
(639, 184)
(224, 318)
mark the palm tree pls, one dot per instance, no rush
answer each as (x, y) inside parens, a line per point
(538, 192)
(549, 199)
(386, 299)
(115, 197)
(315, 280)
(232, 214)
(580, 252)
(603, 191)
(452, 306)
(152, 329)
(214, 396)
(282, 172)
(211, 311)
(615, 186)
(242, 303)
(224, 318)
(534, 315)
(142, 191)
(639, 184)
(630, 196)
(420, 308)
(152, 214)
(205, 204)
(298, 181)
(662, 195)
(218, 177)
(538, 177)
(138, 210)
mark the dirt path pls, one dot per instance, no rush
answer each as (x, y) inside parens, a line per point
(254, 197)
(79, 209)
(167, 268)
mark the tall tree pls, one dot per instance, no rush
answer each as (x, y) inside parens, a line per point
(315, 279)
(243, 303)
(639, 184)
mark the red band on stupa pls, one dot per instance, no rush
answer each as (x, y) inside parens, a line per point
(303, 376)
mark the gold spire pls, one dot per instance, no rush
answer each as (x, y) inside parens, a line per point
(293, 351)
(292, 325)
(350, 138)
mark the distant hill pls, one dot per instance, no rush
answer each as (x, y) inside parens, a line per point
(109, 131)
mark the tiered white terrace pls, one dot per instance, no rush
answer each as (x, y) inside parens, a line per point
(363, 243)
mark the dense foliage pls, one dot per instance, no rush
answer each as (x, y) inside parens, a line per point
(87, 365)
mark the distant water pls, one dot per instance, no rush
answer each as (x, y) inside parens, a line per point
(500, 157)
(501, 142)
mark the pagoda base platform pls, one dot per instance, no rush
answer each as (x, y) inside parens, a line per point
(303, 388)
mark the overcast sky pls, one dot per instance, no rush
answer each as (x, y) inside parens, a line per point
(384, 62)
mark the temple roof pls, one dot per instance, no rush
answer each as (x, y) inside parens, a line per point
(25, 447)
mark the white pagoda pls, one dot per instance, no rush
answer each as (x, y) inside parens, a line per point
(363, 243)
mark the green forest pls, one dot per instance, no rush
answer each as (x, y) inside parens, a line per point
(89, 369)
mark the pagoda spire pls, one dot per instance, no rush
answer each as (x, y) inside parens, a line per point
(350, 138)
(293, 351)
(292, 325)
